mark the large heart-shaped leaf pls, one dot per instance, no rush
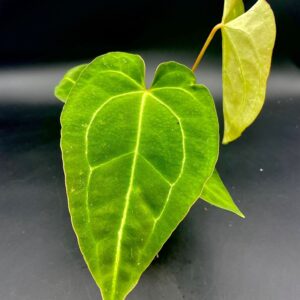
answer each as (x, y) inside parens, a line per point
(135, 161)
(214, 191)
(248, 41)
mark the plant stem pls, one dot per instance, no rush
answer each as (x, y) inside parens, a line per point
(207, 42)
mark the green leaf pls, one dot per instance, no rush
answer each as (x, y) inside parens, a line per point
(135, 161)
(215, 193)
(248, 42)
(66, 84)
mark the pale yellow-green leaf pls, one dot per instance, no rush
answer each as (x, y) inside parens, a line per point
(248, 42)
(232, 10)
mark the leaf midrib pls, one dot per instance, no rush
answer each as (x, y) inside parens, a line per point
(127, 198)
(91, 167)
(133, 167)
(236, 54)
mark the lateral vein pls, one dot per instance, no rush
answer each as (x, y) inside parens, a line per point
(182, 163)
(93, 168)
(86, 144)
(70, 79)
(181, 169)
(123, 74)
(95, 114)
(156, 170)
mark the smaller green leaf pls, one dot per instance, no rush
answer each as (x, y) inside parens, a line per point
(215, 193)
(64, 87)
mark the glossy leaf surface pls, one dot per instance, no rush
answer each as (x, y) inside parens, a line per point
(215, 193)
(248, 41)
(135, 161)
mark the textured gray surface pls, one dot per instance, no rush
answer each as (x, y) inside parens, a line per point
(213, 255)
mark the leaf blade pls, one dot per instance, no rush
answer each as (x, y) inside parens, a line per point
(216, 194)
(248, 42)
(137, 165)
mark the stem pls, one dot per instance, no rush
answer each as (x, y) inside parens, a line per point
(207, 42)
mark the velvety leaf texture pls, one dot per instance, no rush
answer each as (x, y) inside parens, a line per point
(214, 191)
(135, 161)
(248, 41)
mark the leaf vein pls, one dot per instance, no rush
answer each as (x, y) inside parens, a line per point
(235, 52)
(70, 79)
(127, 198)
(86, 143)
(182, 162)
(93, 168)
(175, 88)
(123, 74)
(156, 170)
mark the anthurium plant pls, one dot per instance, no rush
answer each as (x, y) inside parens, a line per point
(136, 159)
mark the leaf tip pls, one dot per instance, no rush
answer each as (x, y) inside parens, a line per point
(235, 209)
(240, 214)
(227, 138)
